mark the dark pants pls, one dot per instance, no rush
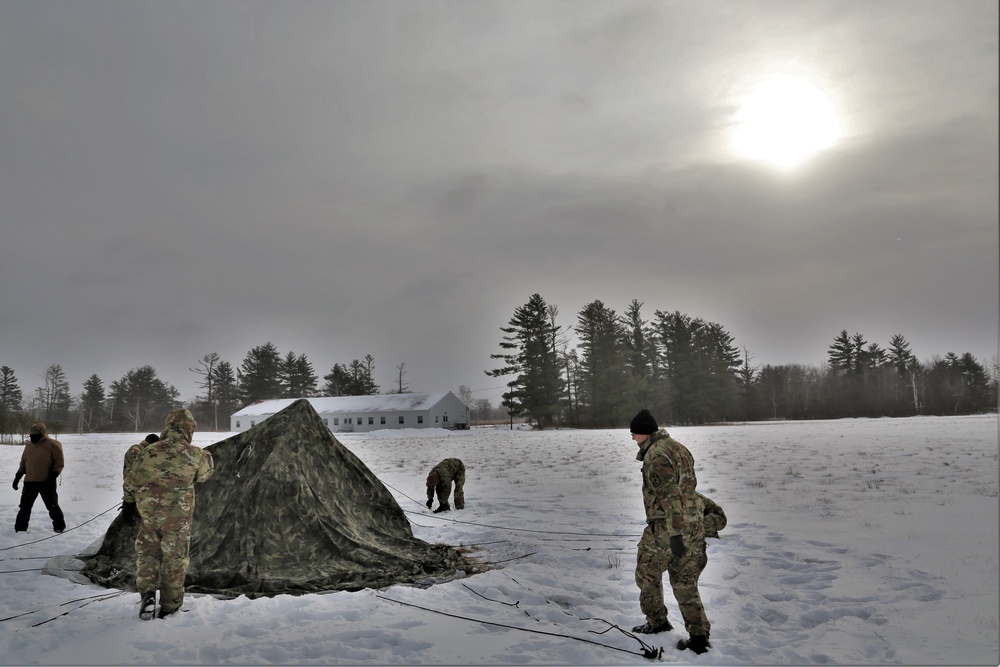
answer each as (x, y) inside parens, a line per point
(47, 490)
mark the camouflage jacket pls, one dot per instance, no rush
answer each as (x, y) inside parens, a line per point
(715, 518)
(163, 476)
(41, 458)
(444, 472)
(668, 485)
(130, 456)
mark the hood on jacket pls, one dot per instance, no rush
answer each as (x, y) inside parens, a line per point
(181, 421)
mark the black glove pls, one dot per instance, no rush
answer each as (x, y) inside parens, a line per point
(17, 479)
(429, 502)
(130, 512)
(53, 476)
(677, 546)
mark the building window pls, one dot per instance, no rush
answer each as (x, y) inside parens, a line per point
(371, 420)
(420, 419)
(336, 421)
(446, 417)
(359, 421)
(402, 419)
(237, 424)
(383, 419)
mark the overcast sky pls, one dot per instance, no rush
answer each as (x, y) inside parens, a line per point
(394, 178)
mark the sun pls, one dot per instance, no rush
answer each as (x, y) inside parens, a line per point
(783, 121)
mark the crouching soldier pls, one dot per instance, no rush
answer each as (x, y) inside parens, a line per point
(715, 518)
(440, 479)
(162, 482)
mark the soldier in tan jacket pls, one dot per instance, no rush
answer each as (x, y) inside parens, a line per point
(42, 462)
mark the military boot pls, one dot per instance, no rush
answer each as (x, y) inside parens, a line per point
(651, 627)
(697, 643)
(442, 508)
(171, 599)
(147, 605)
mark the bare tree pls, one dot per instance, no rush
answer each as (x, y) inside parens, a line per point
(206, 369)
(465, 395)
(401, 386)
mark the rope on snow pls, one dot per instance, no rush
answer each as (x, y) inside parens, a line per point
(24, 544)
(649, 653)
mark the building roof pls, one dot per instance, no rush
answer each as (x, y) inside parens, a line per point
(329, 404)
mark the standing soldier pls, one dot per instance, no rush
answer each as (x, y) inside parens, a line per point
(131, 514)
(41, 463)
(162, 482)
(440, 479)
(674, 537)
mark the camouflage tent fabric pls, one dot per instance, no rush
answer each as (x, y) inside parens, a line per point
(289, 510)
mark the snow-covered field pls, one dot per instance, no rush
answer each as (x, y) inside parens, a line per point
(849, 542)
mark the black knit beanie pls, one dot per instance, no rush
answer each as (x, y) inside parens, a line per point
(643, 423)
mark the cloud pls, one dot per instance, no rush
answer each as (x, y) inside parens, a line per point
(394, 179)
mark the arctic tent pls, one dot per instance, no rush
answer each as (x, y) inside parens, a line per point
(290, 510)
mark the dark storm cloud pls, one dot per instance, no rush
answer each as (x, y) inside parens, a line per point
(395, 178)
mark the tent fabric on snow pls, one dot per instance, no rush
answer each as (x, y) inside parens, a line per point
(289, 509)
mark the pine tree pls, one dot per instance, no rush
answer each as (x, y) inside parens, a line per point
(338, 381)
(226, 391)
(367, 376)
(10, 392)
(529, 342)
(141, 400)
(841, 354)
(699, 362)
(640, 359)
(260, 376)
(10, 401)
(899, 354)
(602, 381)
(92, 404)
(298, 379)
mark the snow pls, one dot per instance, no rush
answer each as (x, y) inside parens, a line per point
(863, 541)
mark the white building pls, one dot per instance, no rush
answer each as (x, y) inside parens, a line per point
(358, 414)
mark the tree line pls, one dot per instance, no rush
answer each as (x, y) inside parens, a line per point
(683, 368)
(691, 371)
(140, 399)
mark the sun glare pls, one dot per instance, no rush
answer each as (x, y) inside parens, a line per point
(783, 121)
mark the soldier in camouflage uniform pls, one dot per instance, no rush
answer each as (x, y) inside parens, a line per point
(715, 518)
(674, 537)
(162, 482)
(128, 501)
(440, 479)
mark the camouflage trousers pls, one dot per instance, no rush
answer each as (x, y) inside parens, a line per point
(654, 558)
(162, 550)
(443, 490)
